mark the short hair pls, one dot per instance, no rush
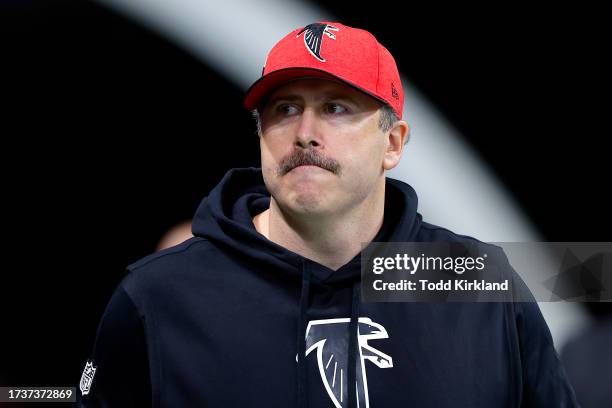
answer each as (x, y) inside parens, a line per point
(387, 119)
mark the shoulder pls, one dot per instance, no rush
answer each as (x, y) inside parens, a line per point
(434, 233)
(157, 271)
(169, 255)
(497, 260)
(430, 232)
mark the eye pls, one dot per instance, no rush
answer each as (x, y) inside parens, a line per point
(286, 109)
(334, 109)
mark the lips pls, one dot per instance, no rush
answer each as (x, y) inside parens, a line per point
(306, 166)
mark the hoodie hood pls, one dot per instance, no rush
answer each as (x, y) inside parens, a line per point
(225, 216)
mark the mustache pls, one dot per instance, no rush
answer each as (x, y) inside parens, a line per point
(307, 157)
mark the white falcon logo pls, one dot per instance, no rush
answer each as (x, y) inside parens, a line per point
(314, 37)
(330, 339)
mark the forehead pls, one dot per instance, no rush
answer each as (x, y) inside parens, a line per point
(321, 89)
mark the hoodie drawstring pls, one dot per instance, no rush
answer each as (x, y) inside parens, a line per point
(352, 355)
(302, 377)
(352, 349)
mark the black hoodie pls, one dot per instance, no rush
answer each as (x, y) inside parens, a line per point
(218, 321)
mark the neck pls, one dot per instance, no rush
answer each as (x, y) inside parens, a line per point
(329, 240)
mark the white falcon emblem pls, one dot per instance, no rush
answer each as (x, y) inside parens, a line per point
(329, 338)
(314, 37)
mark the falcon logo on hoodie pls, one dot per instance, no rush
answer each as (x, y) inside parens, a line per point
(329, 337)
(313, 39)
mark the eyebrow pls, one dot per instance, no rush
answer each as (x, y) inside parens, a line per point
(328, 96)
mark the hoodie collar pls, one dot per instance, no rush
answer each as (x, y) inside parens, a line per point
(225, 216)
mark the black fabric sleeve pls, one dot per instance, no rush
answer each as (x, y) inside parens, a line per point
(121, 377)
(544, 381)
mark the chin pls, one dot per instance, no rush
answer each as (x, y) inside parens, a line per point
(305, 200)
(305, 203)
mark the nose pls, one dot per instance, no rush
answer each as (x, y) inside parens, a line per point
(307, 135)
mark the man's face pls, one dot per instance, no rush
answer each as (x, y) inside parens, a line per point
(321, 147)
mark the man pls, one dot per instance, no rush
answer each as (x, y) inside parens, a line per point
(262, 306)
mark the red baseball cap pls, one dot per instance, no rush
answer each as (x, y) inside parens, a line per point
(332, 51)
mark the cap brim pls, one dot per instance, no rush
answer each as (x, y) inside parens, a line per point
(265, 85)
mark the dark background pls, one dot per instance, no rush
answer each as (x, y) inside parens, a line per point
(111, 135)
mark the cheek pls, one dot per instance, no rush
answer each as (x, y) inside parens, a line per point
(366, 158)
(268, 164)
(270, 152)
(273, 145)
(364, 167)
(264, 153)
(271, 156)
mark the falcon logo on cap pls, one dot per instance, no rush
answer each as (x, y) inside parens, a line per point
(314, 37)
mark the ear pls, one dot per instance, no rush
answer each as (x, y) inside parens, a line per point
(396, 139)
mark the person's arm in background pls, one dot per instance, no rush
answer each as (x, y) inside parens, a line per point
(121, 377)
